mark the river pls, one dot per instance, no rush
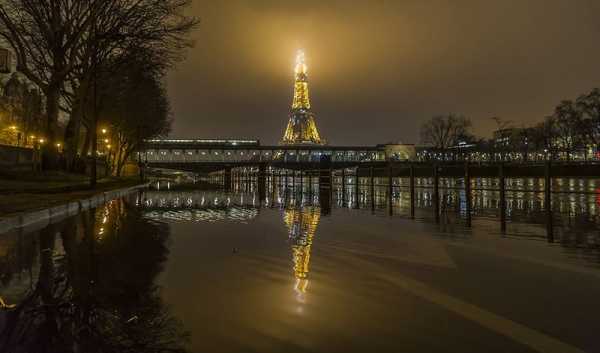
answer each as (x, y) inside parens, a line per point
(170, 269)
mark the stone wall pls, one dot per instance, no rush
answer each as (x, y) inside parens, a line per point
(12, 157)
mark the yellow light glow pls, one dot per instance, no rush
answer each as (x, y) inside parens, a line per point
(301, 67)
(104, 131)
(42, 140)
(58, 145)
(105, 140)
(108, 146)
(12, 127)
(32, 136)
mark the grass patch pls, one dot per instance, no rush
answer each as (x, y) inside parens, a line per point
(30, 192)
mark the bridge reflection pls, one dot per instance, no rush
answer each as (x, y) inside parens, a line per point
(200, 206)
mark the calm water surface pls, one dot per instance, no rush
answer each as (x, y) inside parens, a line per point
(210, 271)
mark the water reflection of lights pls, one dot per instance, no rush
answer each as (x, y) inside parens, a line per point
(169, 206)
(302, 225)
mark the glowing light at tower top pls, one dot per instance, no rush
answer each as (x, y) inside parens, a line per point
(301, 67)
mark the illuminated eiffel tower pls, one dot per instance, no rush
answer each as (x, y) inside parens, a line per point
(301, 128)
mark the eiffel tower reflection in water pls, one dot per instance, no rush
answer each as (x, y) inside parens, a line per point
(301, 215)
(302, 225)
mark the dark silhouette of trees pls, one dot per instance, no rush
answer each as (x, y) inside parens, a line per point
(444, 131)
(131, 122)
(60, 43)
(572, 131)
(95, 289)
(589, 107)
(568, 123)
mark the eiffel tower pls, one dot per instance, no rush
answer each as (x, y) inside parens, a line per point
(301, 128)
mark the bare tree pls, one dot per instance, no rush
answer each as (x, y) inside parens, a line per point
(154, 29)
(45, 36)
(130, 123)
(444, 131)
(589, 105)
(56, 40)
(568, 122)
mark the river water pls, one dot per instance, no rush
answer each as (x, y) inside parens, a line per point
(170, 269)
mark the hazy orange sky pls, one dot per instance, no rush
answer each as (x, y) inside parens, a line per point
(379, 68)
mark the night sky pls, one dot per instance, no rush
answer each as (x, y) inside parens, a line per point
(379, 68)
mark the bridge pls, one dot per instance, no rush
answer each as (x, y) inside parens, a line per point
(209, 155)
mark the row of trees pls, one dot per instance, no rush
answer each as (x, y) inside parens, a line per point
(573, 129)
(97, 61)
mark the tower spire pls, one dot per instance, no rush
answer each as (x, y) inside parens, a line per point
(301, 128)
(301, 100)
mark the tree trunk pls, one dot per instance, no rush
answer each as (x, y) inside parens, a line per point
(50, 154)
(73, 130)
(72, 135)
(86, 144)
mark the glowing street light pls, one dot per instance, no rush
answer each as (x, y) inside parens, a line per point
(105, 140)
(103, 131)
(42, 141)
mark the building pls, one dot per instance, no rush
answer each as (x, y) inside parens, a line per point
(399, 151)
(509, 136)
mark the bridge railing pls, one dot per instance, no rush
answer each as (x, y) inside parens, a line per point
(257, 155)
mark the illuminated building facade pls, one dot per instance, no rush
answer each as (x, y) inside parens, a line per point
(301, 128)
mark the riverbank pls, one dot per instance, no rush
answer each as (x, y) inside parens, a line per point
(32, 198)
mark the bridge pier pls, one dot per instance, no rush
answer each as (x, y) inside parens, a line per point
(548, 201)
(227, 178)
(262, 182)
(325, 181)
(294, 180)
(372, 188)
(343, 185)
(436, 193)
(502, 185)
(390, 191)
(468, 194)
(356, 190)
(412, 191)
